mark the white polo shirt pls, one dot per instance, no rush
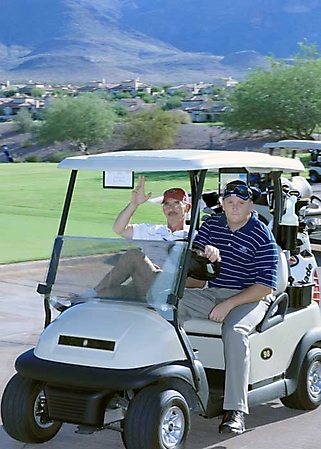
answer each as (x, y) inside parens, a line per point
(157, 232)
(157, 253)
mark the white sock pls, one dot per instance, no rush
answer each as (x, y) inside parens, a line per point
(91, 293)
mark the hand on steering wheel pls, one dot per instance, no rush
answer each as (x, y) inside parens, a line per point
(201, 267)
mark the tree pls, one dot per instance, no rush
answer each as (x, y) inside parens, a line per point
(151, 129)
(9, 93)
(285, 99)
(172, 103)
(183, 117)
(157, 89)
(56, 92)
(120, 110)
(145, 96)
(24, 120)
(181, 93)
(121, 95)
(37, 92)
(83, 120)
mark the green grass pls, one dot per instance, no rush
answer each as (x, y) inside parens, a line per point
(305, 158)
(32, 198)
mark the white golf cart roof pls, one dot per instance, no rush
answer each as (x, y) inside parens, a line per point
(181, 160)
(295, 144)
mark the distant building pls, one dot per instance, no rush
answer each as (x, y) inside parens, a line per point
(131, 87)
(201, 109)
(131, 104)
(28, 88)
(9, 107)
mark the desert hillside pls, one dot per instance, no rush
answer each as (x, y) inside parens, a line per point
(22, 146)
(158, 40)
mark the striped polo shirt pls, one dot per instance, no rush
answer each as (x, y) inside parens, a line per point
(248, 255)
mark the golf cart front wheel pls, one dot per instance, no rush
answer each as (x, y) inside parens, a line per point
(157, 419)
(24, 411)
(307, 396)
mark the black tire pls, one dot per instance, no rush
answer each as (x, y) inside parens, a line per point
(307, 396)
(157, 419)
(314, 177)
(24, 411)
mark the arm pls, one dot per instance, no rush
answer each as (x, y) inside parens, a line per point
(122, 224)
(250, 294)
(213, 254)
(204, 238)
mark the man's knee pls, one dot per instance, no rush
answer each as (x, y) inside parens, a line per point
(234, 333)
(132, 255)
(134, 252)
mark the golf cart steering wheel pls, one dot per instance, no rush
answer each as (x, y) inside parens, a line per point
(200, 266)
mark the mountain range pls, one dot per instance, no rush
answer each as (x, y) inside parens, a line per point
(156, 40)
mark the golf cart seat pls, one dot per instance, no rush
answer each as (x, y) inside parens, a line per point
(273, 316)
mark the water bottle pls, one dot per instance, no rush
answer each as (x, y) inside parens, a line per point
(290, 218)
(289, 225)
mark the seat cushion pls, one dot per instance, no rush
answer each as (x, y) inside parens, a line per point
(200, 326)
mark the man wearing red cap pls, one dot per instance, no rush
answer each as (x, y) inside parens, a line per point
(175, 207)
(134, 263)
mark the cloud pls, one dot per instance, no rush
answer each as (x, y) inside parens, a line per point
(299, 7)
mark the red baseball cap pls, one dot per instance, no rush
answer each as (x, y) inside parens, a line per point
(177, 194)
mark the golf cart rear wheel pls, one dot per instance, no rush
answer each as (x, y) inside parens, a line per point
(157, 418)
(24, 411)
(307, 396)
(314, 177)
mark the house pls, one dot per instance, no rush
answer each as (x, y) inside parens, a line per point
(9, 107)
(28, 88)
(205, 88)
(131, 87)
(206, 112)
(132, 104)
(195, 101)
(4, 86)
(230, 82)
(93, 86)
(181, 88)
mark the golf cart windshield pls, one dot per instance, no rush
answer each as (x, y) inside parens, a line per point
(109, 265)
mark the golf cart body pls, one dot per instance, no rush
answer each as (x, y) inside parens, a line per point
(124, 363)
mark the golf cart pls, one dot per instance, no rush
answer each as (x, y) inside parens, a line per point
(311, 213)
(124, 363)
(313, 146)
(315, 162)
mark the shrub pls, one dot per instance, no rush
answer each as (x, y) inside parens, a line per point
(183, 117)
(24, 120)
(58, 156)
(33, 158)
(27, 144)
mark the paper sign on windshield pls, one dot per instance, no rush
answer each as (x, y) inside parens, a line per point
(118, 180)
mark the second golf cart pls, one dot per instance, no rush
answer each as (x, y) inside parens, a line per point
(313, 146)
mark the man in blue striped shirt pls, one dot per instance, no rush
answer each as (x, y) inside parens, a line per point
(240, 295)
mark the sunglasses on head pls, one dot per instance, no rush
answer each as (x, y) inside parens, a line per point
(238, 189)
